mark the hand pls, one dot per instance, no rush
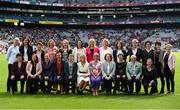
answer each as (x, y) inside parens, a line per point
(124, 76)
(32, 76)
(46, 78)
(22, 77)
(58, 77)
(118, 76)
(70, 77)
(12, 77)
(137, 77)
(172, 71)
(129, 78)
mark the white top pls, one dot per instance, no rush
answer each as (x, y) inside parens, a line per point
(77, 52)
(25, 54)
(11, 54)
(103, 52)
(134, 51)
(83, 69)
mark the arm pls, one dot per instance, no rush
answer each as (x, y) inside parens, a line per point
(114, 69)
(28, 71)
(9, 52)
(102, 70)
(140, 70)
(127, 71)
(40, 69)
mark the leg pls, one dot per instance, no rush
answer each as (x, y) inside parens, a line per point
(162, 82)
(138, 86)
(167, 83)
(8, 80)
(22, 85)
(116, 86)
(145, 84)
(172, 82)
(73, 85)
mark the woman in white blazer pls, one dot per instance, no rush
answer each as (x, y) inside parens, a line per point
(169, 67)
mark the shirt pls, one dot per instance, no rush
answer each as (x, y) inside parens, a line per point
(25, 54)
(103, 52)
(59, 68)
(11, 54)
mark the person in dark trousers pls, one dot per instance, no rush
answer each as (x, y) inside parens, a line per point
(71, 76)
(133, 72)
(120, 75)
(148, 52)
(12, 51)
(26, 49)
(135, 50)
(18, 73)
(33, 70)
(47, 74)
(169, 68)
(149, 77)
(158, 62)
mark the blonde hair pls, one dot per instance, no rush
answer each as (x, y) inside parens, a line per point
(168, 45)
(53, 42)
(65, 40)
(135, 40)
(92, 40)
(133, 56)
(105, 40)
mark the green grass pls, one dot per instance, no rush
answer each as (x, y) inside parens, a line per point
(87, 101)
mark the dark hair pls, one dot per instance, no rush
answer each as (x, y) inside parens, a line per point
(40, 43)
(158, 43)
(19, 55)
(121, 54)
(148, 42)
(119, 41)
(26, 38)
(77, 43)
(32, 62)
(108, 54)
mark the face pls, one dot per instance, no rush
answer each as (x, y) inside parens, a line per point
(149, 62)
(105, 43)
(46, 57)
(26, 41)
(96, 57)
(134, 44)
(133, 59)
(108, 57)
(51, 44)
(71, 57)
(79, 44)
(58, 56)
(65, 44)
(119, 45)
(16, 42)
(19, 59)
(39, 47)
(168, 49)
(158, 47)
(120, 57)
(148, 45)
(83, 59)
(91, 43)
(34, 57)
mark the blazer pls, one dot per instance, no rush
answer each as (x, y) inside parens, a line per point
(42, 55)
(115, 55)
(64, 69)
(89, 54)
(138, 69)
(138, 54)
(47, 69)
(15, 70)
(29, 68)
(29, 51)
(171, 61)
(74, 70)
(112, 69)
(161, 60)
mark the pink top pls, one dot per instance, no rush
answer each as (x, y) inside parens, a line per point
(52, 53)
(89, 55)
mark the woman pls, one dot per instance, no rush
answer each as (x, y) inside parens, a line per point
(149, 77)
(83, 73)
(47, 74)
(39, 52)
(26, 49)
(52, 50)
(135, 50)
(18, 73)
(65, 50)
(148, 52)
(60, 71)
(91, 49)
(95, 74)
(119, 49)
(105, 49)
(78, 50)
(120, 74)
(71, 75)
(33, 70)
(133, 73)
(158, 61)
(108, 71)
(169, 67)
(13, 50)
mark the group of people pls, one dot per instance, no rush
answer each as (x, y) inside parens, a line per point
(48, 68)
